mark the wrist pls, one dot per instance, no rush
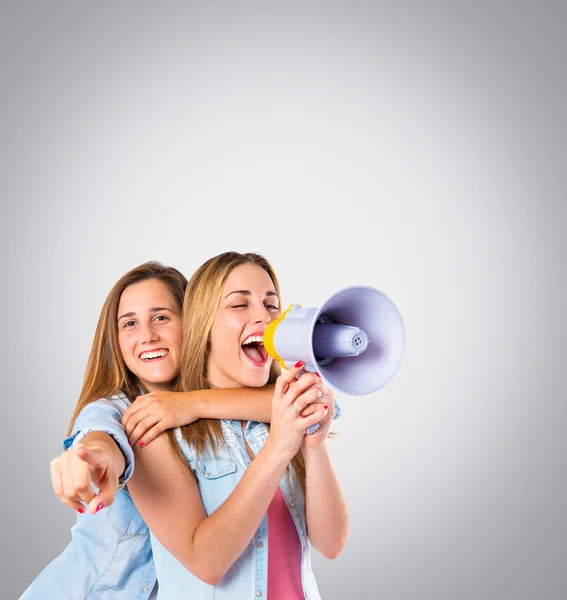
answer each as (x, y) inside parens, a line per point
(276, 455)
(118, 462)
(319, 449)
(198, 405)
(193, 406)
(103, 441)
(99, 439)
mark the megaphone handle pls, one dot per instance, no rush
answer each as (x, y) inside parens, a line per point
(311, 430)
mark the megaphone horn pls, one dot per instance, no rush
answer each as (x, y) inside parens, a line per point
(355, 340)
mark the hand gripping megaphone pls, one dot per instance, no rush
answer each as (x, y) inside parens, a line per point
(355, 340)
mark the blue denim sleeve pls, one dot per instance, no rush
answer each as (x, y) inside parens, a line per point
(338, 410)
(104, 415)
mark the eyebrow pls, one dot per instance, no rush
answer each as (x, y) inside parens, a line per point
(247, 293)
(152, 310)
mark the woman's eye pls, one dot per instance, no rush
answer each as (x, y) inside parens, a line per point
(239, 306)
(129, 324)
(272, 307)
(161, 318)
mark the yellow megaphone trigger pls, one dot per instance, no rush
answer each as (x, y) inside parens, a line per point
(269, 337)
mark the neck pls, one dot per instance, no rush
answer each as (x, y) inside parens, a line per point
(156, 387)
(219, 380)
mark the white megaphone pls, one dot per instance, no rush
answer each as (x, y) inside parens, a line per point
(355, 340)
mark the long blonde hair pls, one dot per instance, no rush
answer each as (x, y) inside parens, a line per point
(106, 373)
(202, 298)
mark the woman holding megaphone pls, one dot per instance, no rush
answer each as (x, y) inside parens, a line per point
(229, 504)
(136, 349)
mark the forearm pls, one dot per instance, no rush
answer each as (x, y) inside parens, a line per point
(325, 506)
(104, 417)
(222, 537)
(245, 404)
(105, 441)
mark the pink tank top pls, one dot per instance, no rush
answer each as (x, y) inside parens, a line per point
(284, 552)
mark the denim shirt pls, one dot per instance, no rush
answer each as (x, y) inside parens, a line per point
(110, 554)
(217, 476)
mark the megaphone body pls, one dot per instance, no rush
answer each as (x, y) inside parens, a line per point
(355, 340)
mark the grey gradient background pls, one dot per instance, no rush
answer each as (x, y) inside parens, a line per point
(419, 148)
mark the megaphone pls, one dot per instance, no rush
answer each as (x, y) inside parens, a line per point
(355, 340)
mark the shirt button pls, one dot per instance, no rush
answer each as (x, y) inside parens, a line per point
(292, 504)
(258, 594)
(259, 544)
(146, 588)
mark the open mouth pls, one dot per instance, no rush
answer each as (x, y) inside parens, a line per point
(154, 355)
(253, 349)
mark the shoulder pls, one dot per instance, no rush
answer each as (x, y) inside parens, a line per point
(102, 411)
(117, 403)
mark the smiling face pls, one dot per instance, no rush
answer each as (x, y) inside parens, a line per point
(237, 357)
(149, 333)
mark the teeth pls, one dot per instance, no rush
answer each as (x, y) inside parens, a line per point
(253, 338)
(156, 354)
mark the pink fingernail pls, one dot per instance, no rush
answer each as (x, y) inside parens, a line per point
(317, 374)
(98, 507)
(299, 363)
(140, 443)
(81, 510)
(326, 407)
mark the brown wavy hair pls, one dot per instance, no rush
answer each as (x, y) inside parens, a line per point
(106, 373)
(202, 298)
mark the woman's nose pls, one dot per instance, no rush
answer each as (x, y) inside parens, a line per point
(262, 315)
(148, 334)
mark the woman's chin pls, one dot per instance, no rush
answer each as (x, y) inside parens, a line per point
(154, 384)
(161, 378)
(238, 374)
(255, 376)
(256, 380)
